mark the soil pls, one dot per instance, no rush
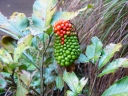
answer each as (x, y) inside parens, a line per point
(7, 7)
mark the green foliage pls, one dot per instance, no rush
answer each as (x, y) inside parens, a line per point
(93, 51)
(67, 15)
(47, 8)
(3, 84)
(34, 51)
(8, 43)
(23, 44)
(119, 88)
(48, 75)
(15, 25)
(5, 56)
(74, 83)
(24, 79)
(59, 82)
(108, 53)
(113, 66)
(83, 59)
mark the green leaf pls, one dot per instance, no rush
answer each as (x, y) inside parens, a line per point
(119, 88)
(48, 75)
(5, 56)
(49, 30)
(72, 80)
(67, 15)
(23, 44)
(15, 25)
(23, 83)
(93, 51)
(59, 82)
(8, 43)
(2, 83)
(81, 85)
(113, 66)
(36, 30)
(70, 93)
(108, 53)
(83, 59)
(43, 11)
(20, 21)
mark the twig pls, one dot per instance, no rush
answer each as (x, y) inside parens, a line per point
(7, 91)
(31, 88)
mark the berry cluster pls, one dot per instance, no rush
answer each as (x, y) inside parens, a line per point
(61, 28)
(66, 45)
(66, 54)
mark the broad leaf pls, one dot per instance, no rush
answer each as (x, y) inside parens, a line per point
(93, 51)
(70, 93)
(5, 56)
(113, 66)
(67, 15)
(108, 53)
(83, 59)
(19, 20)
(43, 11)
(2, 83)
(59, 82)
(119, 88)
(23, 83)
(8, 27)
(72, 80)
(25, 77)
(23, 44)
(48, 75)
(36, 30)
(8, 43)
(81, 85)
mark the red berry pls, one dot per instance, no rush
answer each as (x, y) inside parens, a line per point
(58, 32)
(62, 39)
(70, 25)
(62, 42)
(64, 32)
(64, 28)
(62, 25)
(61, 35)
(68, 29)
(66, 24)
(55, 30)
(58, 27)
(61, 31)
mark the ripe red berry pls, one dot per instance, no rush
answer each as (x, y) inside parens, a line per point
(64, 28)
(68, 29)
(64, 32)
(62, 39)
(62, 25)
(55, 30)
(58, 32)
(61, 35)
(62, 42)
(58, 27)
(70, 25)
(66, 24)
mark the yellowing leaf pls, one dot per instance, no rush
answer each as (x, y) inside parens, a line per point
(23, 44)
(43, 11)
(108, 53)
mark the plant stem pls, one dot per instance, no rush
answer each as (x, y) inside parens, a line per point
(42, 61)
